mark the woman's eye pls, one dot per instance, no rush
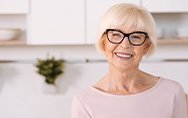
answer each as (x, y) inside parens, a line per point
(116, 34)
(137, 37)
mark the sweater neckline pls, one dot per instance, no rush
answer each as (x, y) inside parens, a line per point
(129, 95)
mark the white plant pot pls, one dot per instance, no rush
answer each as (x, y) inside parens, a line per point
(49, 88)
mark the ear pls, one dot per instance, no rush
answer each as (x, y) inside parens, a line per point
(103, 42)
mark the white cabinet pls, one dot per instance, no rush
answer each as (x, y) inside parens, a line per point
(56, 22)
(166, 5)
(95, 10)
(14, 6)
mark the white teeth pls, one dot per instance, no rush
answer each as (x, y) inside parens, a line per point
(124, 55)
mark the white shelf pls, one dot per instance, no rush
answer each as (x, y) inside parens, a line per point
(13, 42)
(173, 41)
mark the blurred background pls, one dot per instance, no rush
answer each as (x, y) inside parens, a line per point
(67, 29)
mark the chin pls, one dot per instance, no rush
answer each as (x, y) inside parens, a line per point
(121, 66)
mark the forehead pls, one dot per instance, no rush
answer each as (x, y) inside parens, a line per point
(128, 23)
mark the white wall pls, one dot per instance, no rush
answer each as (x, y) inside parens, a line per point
(21, 92)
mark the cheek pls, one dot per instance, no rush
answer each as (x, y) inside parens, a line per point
(142, 50)
(109, 47)
(139, 52)
(109, 50)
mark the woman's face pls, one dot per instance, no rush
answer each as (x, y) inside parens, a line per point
(125, 55)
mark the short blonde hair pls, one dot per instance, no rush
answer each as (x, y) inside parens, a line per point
(126, 15)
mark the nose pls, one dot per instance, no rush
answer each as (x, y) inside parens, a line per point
(125, 43)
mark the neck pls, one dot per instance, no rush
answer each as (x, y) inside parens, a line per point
(123, 81)
(127, 81)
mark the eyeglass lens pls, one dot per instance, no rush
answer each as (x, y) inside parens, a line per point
(135, 38)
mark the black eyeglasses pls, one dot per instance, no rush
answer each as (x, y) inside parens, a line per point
(136, 38)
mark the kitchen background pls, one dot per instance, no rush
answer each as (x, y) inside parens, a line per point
(67, 29)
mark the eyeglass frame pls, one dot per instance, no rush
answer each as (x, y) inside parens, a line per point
(126, 35)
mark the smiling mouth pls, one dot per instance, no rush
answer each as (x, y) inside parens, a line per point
(124, 55)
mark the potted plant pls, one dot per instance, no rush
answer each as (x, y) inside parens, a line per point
(50, 68)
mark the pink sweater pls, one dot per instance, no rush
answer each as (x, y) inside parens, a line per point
(165, 100)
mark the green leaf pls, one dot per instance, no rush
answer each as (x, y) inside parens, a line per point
(50, 68)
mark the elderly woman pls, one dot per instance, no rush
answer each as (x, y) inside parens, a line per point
(126, 34)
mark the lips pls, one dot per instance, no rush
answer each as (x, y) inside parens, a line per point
(124, 55)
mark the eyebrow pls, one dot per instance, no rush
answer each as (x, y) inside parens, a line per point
(129, 32)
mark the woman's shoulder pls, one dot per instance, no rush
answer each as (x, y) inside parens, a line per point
(170, 82)
(171, 85)
(85, 93)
